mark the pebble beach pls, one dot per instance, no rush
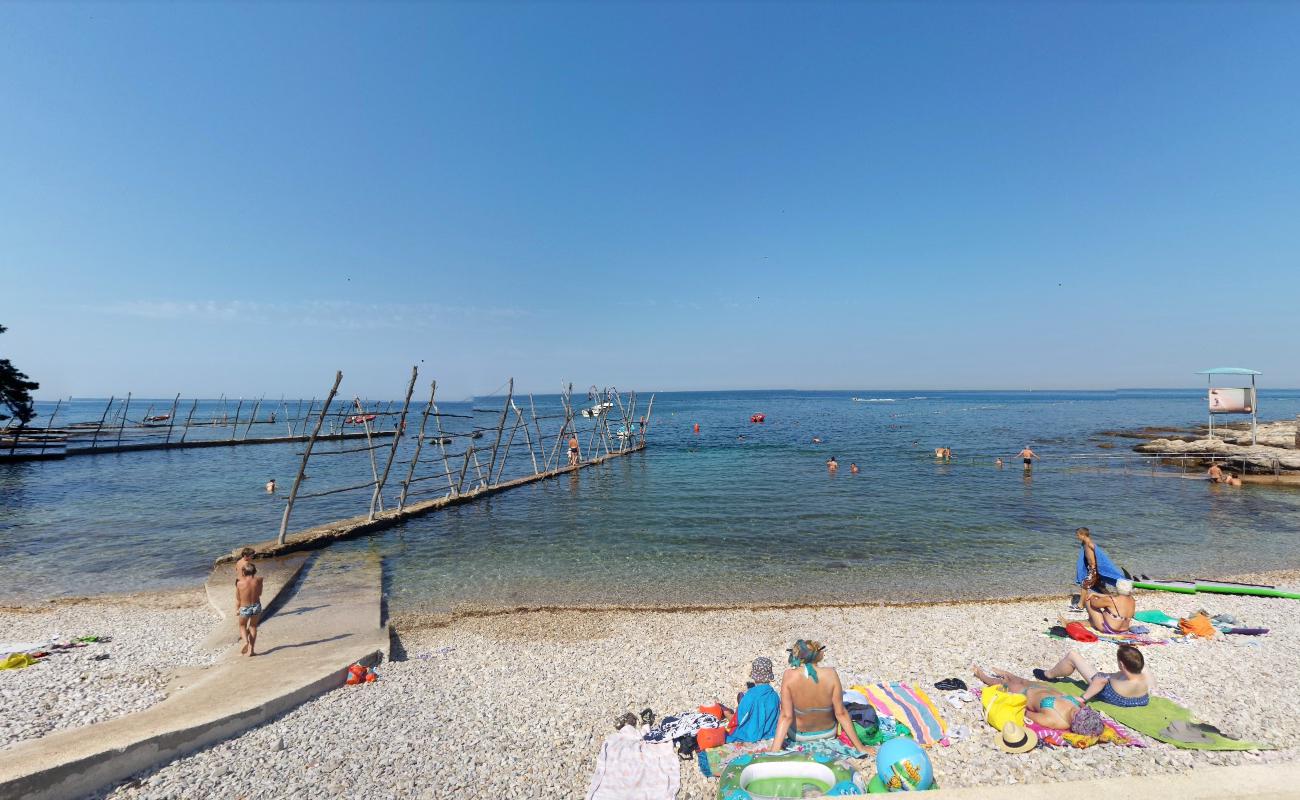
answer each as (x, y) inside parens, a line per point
(152, 635)
(516, 705)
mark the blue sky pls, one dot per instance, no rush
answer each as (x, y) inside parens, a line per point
(243, 198)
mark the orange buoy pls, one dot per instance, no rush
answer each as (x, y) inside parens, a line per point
(697, 427)
(371, 677)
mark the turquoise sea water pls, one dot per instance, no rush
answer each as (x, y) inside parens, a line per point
(706, 518)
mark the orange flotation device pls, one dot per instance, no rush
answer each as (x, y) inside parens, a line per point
(757, 417)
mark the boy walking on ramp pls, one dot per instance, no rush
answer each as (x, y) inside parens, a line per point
(248, 606)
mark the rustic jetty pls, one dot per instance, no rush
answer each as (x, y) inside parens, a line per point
(117, 432)
(609, 428)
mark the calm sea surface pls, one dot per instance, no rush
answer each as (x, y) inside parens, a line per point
(708, 518)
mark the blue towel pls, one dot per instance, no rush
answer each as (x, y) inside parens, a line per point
(1105, 567)
(756, 714)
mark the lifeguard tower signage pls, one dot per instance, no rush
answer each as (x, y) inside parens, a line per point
(1232, 400)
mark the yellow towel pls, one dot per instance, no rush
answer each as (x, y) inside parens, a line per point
(17, 661)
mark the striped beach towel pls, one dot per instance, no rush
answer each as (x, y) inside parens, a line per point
(909, 704)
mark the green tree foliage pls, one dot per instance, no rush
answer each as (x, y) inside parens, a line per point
(16, 392)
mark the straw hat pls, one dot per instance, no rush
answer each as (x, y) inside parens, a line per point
(1017, 738)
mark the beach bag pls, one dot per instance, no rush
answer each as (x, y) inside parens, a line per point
(1197, 625)
(1001, 707)
(1077, 632)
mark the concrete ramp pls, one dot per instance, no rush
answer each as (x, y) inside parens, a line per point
(328, 620)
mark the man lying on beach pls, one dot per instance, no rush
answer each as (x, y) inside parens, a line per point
(248, 606)
(1130, 687)
(1044, 705)
(1112, 613)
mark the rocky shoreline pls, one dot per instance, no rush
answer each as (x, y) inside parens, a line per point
(516, 705)
(1275, 453)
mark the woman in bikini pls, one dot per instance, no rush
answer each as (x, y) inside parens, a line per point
(1045, 705)
(1112, 614)
(1130, 687)
(812, 700)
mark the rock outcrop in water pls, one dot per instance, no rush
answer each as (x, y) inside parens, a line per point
(1275, 452)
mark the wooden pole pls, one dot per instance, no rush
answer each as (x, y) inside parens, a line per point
(171, 418)
(235, 428)
(122, 427)
(100, 427)
(374, 466)
(311, 442)
(48, 426)
(645, 426)
(460, 484)
(397, 437)
(419, 443)
(307, 419)
(501, 425)
(186, 430)
(541, 443)
(505, 454)
(527, 438)
(253, 417)
(442, 448)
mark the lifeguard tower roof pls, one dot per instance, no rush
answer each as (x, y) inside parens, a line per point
(1229, 371)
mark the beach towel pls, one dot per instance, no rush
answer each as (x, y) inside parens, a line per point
(1001, 706)
(756, 715)
(1105, 567)
(1112, 733)
(629, 768)
(908, 703)
(1157, 617)
(1154, 720)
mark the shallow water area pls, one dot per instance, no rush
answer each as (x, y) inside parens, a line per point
(739, 514)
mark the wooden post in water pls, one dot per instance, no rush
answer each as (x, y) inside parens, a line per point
(370, 447)
(186, 431)
(171, 418)
(527, 436)
(100, 427)
(541, 443)
(505, 454)
(311, 442)
(48, 425)
(505, 409)
(122, 427)
(235, 428)
(253, 417)
(460, 484)
(397, 437)
(307, 419)
(419, 443)
(442, 448)
(645, 426)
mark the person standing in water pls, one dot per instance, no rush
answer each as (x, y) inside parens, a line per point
(1029, 456)
(1092, 580)
(573, 450)
(853, 468)
(270, 486)
(832, 466)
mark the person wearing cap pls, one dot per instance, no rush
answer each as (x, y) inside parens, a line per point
(1113, 613)
(760, 706)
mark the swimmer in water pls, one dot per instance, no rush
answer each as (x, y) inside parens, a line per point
(853, 468)
(1028, 456)
(832, 465)
(1215, 474)
(999, 463)
(817, 440)
(270, 486)
(938, 452)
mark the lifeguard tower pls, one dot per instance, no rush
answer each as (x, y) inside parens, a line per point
(1232, 399)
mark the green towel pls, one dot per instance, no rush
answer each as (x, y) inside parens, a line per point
(1157, 617)
(1152, 718)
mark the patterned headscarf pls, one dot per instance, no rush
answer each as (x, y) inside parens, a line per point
(805, 653)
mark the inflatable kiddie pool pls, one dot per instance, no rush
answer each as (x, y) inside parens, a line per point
(775, 776)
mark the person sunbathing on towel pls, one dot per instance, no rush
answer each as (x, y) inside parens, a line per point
(1046, 705)
(1112, 613)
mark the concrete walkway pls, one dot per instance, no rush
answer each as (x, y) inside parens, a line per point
(328, 620)
(1256, 782)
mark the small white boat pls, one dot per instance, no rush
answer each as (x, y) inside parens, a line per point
(873, 399)
(597, 410)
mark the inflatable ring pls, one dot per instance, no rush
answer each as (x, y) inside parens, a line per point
(778, 775)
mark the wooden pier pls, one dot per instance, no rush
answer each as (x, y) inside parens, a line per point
(324, 535)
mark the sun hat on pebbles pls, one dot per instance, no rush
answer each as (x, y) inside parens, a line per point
(1017, 739)
(760, 671)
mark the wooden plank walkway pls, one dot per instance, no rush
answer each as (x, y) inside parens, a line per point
(28, 454)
